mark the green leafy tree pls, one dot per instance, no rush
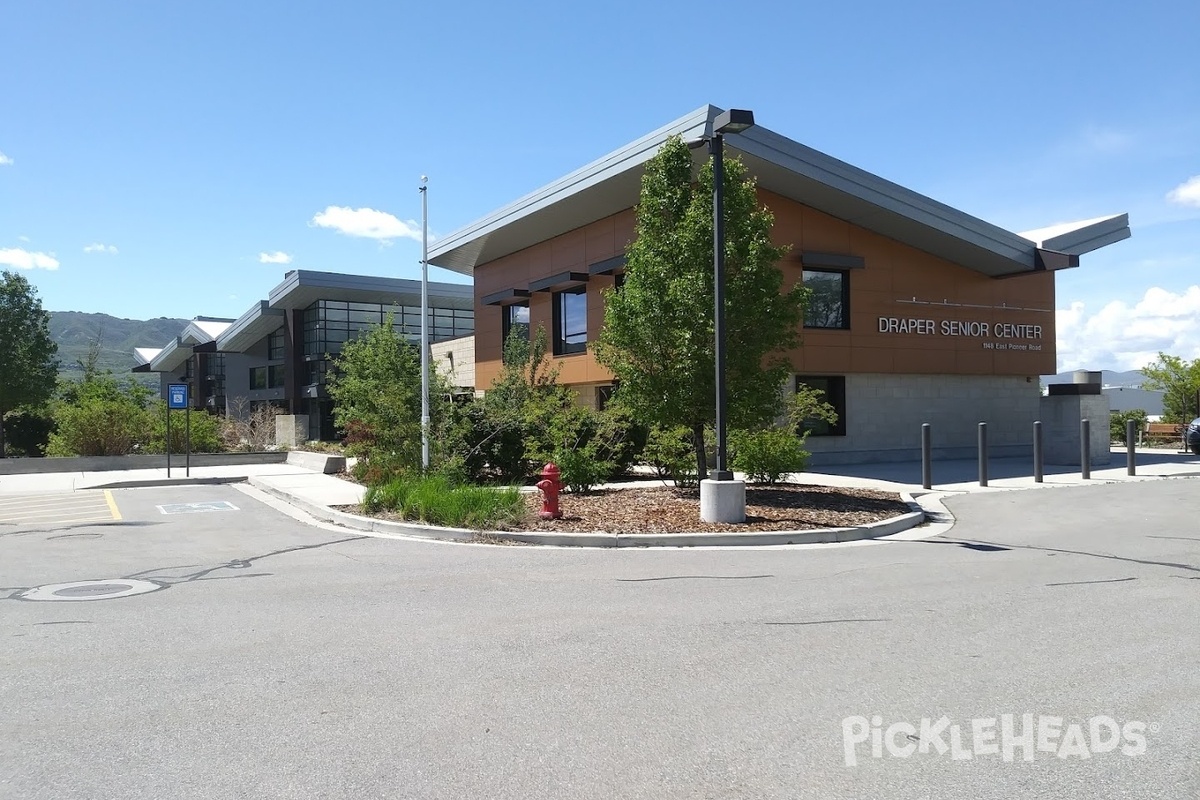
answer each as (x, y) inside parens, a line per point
(28, 367)
(100, 417)
(1179, 381)
(376, 391)
(658, 329)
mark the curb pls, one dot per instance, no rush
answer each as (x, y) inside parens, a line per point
(167, 482)
(887, 527)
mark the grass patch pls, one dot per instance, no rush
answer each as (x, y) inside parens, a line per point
(435, 500)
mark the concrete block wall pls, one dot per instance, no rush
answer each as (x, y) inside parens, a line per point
(1060, 415)
(455, 360)
(884, 414)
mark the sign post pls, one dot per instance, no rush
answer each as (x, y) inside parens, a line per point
(177, 397)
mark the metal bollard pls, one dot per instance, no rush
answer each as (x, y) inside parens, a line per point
(1085, 449)
(1037, 452)
(926, 456)
(983, 457)
(1130, 457)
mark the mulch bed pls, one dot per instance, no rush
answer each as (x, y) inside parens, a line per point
(784, 507)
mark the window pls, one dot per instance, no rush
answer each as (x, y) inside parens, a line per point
(275, 376)
(275, 346)
(258, 378)
(516, 318)
(570, 321)
(618, 281)
(834, 388)
(829, 301)
(604, 396)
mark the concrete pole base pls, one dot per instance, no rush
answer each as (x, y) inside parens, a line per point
(722, 501)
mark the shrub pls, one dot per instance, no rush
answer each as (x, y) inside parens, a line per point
(435, 500)
(581, 469)
(767, 456)
(206, 431)
(670, 452)
(1116, 423)
(98, 426)
(27, 432)
(249, 426)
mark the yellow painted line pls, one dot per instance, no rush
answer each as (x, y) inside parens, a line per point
(112, 505)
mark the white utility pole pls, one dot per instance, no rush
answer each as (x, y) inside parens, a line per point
(424, 324)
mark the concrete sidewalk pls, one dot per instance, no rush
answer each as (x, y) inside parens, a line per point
(1004, 473)
(58, 482)
(315, 491)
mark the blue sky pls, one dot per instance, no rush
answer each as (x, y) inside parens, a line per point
(154, 152)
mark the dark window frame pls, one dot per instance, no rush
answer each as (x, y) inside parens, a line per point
(835, 395)
(261, 372)
(506, 320)
(845, 299)
(561, 346)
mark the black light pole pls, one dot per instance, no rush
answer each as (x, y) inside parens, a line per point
(732, 121)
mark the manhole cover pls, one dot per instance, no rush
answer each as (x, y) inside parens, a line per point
(90, 590)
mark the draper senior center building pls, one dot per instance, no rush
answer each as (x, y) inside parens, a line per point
(919, 313)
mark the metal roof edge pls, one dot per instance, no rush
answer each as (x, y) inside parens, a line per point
(858, 183)
(296, 279)
(256, 312)
(697, 123)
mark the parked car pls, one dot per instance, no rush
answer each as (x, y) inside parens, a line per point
(1193, 435)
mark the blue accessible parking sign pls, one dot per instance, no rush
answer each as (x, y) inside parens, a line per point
(177, 395)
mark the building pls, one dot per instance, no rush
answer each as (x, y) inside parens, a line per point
(279, 350)
(931, 314)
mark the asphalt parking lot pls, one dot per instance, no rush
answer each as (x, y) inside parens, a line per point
(230, 650)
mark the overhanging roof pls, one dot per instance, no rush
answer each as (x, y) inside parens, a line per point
(300, 288)
(144, 355)
(171, 357)
(258, 321)
(781, 165)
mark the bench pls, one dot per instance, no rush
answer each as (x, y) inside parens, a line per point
(1162, 432)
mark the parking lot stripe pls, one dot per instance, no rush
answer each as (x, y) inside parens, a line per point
(112, 505)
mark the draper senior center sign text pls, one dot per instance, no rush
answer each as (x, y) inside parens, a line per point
(1003, 335)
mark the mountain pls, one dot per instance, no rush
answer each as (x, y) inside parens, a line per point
(74, 331)
(1108, 378)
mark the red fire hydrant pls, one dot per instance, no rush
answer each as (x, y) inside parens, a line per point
(550, 486)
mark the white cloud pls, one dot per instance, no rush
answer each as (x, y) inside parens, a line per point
(23, 259)
(1122, 337)
(367, 223)
(5, 160)
(101, 248)
(278, 257)
(23, 238)
(1186, 193)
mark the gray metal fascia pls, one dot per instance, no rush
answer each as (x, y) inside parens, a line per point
(169, 358)
(299, 279)
(1092, 237)
(226, 341)
(691, 126)
(858, 183)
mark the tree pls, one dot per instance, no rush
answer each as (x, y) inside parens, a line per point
(1179, 381)
(28, 367)
(376, 391)
(658, 329)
